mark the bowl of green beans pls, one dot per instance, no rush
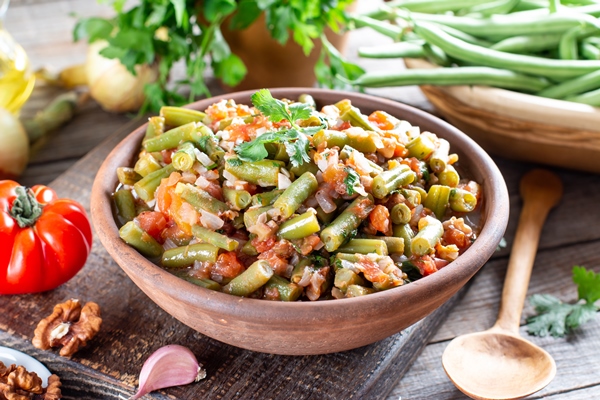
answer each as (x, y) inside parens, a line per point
(266, 219)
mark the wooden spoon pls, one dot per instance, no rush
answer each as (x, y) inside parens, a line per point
(498, 363)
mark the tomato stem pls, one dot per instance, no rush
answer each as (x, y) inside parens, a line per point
(25, 209)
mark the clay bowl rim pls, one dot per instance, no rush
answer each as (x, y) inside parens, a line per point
(494, 219)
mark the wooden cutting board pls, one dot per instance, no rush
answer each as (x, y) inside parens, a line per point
(133, 327)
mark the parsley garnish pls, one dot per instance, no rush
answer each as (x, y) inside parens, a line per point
(294, 139)
(557, 318)
(234, 162)
(351, 180)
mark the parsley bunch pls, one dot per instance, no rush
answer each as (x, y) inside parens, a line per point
(164, 32)
(294, 139)
(557, 318)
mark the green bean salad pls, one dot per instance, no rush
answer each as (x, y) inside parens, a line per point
(280, 200)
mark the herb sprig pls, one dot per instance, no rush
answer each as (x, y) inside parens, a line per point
(164, 32)
(294, 139)
(556, 318)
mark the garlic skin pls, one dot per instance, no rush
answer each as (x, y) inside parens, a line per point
(14, 146)
(171, 365)
(112, 85)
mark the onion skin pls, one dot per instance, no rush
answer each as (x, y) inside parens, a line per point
(112, 85)
(14, 146)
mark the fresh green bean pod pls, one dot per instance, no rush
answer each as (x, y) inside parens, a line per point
(528, 44)
(494, 7)
(140, 240)
(392, 31)
(574, 86)
(250, 280)
(184, 256)
(592, 98)
(393, 50)
(557, 69)
(125, 205)
(146, 164)
(299, 227)
(345, 277)
(590, 51)
(430, 232)
(298, 270)
(177, 116)
(436, 55)
(365, 246)
(263, 173)
(392, 179)
(405, 232)
(462, 200)
(338, 231)
(437, 199)
(205, 283)
(146, 186)
(216, 239)
(435, 6)
(449, 177)
(266, 198)
(357, 291)
(296, 194)
(156, 127)
(420, 147)
(200, 199)
(363, 142)
(183, 159)
(439, 158)
(251, 215)
(395, 245)
(400, 214)
(237, 199)
(171, 138)
(288, 291)
(127, 176)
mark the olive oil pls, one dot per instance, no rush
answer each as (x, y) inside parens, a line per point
(16, 79)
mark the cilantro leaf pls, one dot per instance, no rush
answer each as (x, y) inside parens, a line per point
(295, 142)
(351, 180)
(556, 318)
(278, 110)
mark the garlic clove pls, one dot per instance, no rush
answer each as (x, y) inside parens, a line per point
(171, 365)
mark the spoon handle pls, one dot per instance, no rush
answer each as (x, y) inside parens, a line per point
(541, 190)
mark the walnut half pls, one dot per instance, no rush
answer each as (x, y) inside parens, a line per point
(70, 326)
(16, 383)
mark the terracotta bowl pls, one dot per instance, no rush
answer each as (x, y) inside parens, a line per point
(303, 328)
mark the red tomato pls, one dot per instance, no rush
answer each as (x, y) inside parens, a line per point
(44, 241)
(153, 222)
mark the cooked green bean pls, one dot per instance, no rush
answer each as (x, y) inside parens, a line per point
(140, 240)
(298, 270)
(146, 186)
(323, 217)
(430, 232)
(156, 127)
(400, 214)
(183, 159)
(295, 194)
(208, 143)
(205, 283)
(462, 200)
(361, 142)
(266, 198)
(177, 116)
(200, 199)
(262, 173)
(392, 179)
(238, 199)
(365, 246)
(251, 215)
(184, 256)
(146, 164)
(405, 232)
(125, 204)
(214, 238)
(340, 229)
(357, 291)
(420, 147)
(412, 196)
(250, 280)
(356, 118)
(439, 158)
(172, 138)
(298, 170)
(288, 291)
(299, 227)
(127, 176)
(449, 176)
(437, 199)
(345, 277)
(346, 152)
(394, 244)
(249, 249)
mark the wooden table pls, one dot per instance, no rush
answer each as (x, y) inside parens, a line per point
(570, 237)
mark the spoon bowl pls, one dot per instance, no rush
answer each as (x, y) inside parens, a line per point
(498, 363)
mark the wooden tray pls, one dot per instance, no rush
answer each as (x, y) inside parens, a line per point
(133, 327)
(521, 126)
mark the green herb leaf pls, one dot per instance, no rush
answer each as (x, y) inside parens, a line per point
(556, 318)
(180, 11)
(351, 180)
(92, 28)
(234, 162)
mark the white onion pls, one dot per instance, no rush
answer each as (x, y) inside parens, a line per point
(203, 158)
(188, 177)
(211, 221)
(283, 182)
(229, 176)
(169, 244)
(325, 201)
(202, 182)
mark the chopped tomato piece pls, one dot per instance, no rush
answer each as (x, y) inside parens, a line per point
(228, 265)
(382, 121)
(153, 222)
(426, 265)
(380, 219)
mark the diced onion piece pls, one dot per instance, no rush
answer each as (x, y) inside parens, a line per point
(325, 201)
(283, 182)
(211, 221)
(229, 176)
(203, 158)
(202, 182)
